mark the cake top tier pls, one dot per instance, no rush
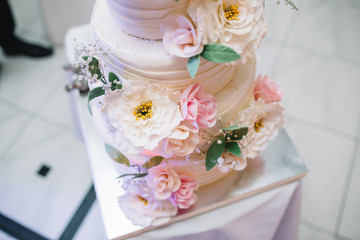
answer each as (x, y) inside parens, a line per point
(142, 18)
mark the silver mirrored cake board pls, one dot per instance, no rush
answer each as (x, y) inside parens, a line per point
(279, 164)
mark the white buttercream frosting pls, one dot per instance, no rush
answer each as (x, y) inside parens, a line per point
(139, 59)
(142, 18)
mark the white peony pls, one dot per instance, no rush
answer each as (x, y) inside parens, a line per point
(142, 208)
(263, 121)
(243, 32)
(135, 130)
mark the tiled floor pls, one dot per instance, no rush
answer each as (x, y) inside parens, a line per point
(313, 52)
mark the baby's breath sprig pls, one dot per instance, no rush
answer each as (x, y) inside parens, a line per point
(289, 2)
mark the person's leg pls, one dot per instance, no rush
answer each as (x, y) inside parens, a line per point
(7, 23)
(11, 44)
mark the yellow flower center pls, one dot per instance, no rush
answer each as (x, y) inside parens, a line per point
(143, 111)
(258, 125)
(231, 12)
(144, 200)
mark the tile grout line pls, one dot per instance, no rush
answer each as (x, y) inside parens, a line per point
(346, 188)
(327, 129)
(34, 115)
(320, 229)
(286, 36)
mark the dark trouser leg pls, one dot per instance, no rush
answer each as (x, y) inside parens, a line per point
(7, 23)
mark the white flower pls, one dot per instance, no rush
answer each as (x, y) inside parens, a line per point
(242, 32)
(143, 209)
(263, 121)
(141, 115)
(181, 142)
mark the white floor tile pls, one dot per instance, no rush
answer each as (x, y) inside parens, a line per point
(331, 27)
(320, 90)
(279, 17)
(328, 157)
(92, 227)
(11, 121)
(351, 218)
(27, 81)
(44, 204)
(306, 233)
(5, 236)
(267, 56)
(58, 106)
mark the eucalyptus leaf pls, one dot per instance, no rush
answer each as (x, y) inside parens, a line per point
(217, 53)
(113, 77)
(118, 86)
(238, 134)
(193, 65)
(214, 152)
(140, 175)
(116, 155)
(94, 93)
(153, 162)
(233, 147)
(94, 66)
(233, 127)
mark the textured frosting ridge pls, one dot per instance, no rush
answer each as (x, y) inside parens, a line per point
(142, 18)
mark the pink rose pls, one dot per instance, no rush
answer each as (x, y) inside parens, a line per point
(180, 37)
(267, 89)
(181, 142)
(198, 107)
(185, 197)
(163, 180)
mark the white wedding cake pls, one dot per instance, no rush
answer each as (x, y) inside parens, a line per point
(175, 96)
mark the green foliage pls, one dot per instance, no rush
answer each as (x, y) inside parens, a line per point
(116, 155)
(214, 152)
(193, 65)
(154, 161)
(217, 53)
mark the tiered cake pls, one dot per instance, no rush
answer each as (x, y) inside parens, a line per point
(175, 98)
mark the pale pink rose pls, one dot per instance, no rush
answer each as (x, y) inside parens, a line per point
(180, 38)
(163, 180)
(181, 142)
(267, 89)
(198, 107)
(185, 197)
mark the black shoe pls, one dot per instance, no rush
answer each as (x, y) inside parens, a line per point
(19, 47)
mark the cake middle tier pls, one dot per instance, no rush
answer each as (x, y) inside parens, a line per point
(135, 58)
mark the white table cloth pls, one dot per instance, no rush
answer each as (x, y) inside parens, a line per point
(273, 214)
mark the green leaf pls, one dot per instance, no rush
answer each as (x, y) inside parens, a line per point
(219, 53)
(89, 108)
(94, 93)
(233, 147)
(153, 162)
(112, 77)
(138, 176)
(116, 155)
(214, 152)
(233, 127)
(193, 65)
(238, 134)
(118, 86)
(94, 66)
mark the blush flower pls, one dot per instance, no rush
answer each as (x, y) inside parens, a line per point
(180, 38)
(163, 180)
(181, 142)
(267, 89)
(185, 197)
(142, 208)
(198, 107)
(242, 30)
